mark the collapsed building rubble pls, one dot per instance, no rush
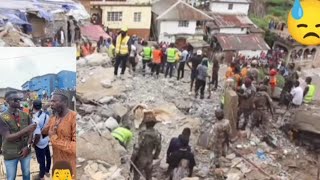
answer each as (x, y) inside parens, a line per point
(102, 100)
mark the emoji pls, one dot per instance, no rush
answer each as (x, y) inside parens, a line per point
(61, 174)
(303, 22)
(62, 170)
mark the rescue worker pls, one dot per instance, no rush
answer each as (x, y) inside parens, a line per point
(254, 72)
(156, 63)
(175, 143)
(123, 135)
(245, 94)
(123, 47)
(273, 80)
(195, 61)
(146, 56)
(111, 50)
(181, 162)
(215, 74)
(261, 103)
(171, 59)
(219, 141)
(16, 129)
(230, 70)
(132, 59)
(202, 74)
(309, 91)
(149, 141)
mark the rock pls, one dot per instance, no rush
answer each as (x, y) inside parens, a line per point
(89, 171)
(94, 167)
(100, 176)
(106, 84)
(191, 178)
(102, 168)
(119, 109)
(88, 143)
(203, 172)
(106, 112)
(233, 176)
(100, 125)
(111, 123)
(85, 177)
(231, 156)
(88, 108)
(96, 118)
(97, 59)
(81, 160)
(106, 100)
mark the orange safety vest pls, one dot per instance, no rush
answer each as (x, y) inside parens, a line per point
(229, 73)
(244, 72)
(26, 110)
(273, 81)
(85, 51)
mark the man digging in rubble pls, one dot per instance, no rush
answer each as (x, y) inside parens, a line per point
(149, 140)
(221, 133)
(261, 102)
(123, 135)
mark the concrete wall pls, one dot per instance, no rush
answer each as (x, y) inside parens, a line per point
(67, 79)
(251, 53)
(233, 30)
(223, 8)
(127, 17)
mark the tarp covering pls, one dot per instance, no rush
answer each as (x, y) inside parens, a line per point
(93, 32)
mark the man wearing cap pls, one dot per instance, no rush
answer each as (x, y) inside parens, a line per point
(41, 144)
(221, 133)
(62, 130)
(123, 47)
(16, 130)
(195, 61)
(149, 141)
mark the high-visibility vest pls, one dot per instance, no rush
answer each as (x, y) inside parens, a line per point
(122, 134)
(147, 53)
(171, 55)
(122, 45)
(311, 93)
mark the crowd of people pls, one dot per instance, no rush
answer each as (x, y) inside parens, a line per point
(23, 128)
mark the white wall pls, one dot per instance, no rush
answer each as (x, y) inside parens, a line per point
(233, 30)
(251, 53)
(223, 8)
(171, 27)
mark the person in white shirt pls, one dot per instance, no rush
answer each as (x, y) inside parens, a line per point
(41, 144)
(297, 94)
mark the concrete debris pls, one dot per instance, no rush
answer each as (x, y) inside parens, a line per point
(10, 36)
(106, 84)
(122, 102)
(191, 178)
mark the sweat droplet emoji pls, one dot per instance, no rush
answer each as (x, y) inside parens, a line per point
(303, 22)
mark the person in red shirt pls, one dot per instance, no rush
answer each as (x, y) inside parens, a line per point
(156, 56)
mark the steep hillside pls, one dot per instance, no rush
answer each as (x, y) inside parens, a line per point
(262, 11)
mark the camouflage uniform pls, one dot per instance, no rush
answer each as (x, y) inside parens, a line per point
(245, 105)
(219, 141)
(262, 102)
(149, 140)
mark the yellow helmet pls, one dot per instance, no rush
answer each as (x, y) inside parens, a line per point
(124, 29)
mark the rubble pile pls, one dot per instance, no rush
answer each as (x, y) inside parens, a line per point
(12, 37)
(101, 157)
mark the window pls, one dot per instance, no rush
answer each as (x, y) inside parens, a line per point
(242, 29)
(230, 7)
(137, 17)
(114, 16)
(183, 24)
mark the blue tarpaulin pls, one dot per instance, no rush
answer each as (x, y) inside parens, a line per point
(14, 16)
(69, 7)
(44, 13)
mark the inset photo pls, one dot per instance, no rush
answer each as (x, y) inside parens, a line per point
(37, 113)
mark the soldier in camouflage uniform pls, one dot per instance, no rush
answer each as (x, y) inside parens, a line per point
(261, 103)
(149, 140)
(220, 137)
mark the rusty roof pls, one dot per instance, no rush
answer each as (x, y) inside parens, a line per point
(241, 42)
(227, 21)
(233, 1)
(183, 11)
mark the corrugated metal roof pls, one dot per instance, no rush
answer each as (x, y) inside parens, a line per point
(241, 42)
(223, 21)
(161, 6)
(232, 1)
(183, 11)
(93, 32)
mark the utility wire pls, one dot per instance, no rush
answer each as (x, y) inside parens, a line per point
(37, 54)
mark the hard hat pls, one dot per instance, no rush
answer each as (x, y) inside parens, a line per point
(199, 52)
(124, 29)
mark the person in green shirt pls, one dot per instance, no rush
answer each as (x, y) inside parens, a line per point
(123, 135)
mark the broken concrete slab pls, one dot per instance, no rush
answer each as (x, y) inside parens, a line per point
(119, 109)
(307, 121)
(111, 123)
(87, 147)
(107, 100)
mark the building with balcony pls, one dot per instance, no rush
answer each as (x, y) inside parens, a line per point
(47, 83)
(134, 14)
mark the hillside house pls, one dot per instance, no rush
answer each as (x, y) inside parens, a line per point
(177, 21)
(134, 14)
(230, 6)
